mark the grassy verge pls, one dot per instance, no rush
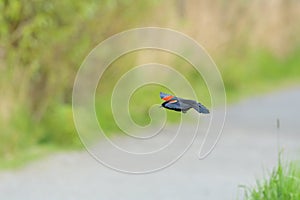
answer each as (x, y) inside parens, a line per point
(283, 184)
(21, 158)
(257, 72)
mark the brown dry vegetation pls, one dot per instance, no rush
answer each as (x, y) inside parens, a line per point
(224, 25)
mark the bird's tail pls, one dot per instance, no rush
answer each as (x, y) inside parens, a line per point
(202, 109)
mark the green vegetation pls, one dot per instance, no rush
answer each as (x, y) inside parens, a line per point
(33, 153)
(283, 183)
(42, 44)
(259, 72)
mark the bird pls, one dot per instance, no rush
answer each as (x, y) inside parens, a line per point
(181, 105)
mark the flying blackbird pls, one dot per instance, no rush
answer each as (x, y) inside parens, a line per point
(181, 105)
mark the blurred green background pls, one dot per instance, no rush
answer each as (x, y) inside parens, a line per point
(255, 44)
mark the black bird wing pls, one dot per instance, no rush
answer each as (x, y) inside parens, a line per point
(176, 105)
(194, 104)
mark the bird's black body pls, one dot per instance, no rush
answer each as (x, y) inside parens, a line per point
(181, 105)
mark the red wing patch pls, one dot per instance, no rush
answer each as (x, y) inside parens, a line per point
(167, 98)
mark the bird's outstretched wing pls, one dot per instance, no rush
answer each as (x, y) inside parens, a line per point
(194, 104)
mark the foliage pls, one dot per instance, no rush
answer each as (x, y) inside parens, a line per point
(42, 44)
(283, 183)
(258, 72)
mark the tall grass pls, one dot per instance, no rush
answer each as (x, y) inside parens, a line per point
(283, 184)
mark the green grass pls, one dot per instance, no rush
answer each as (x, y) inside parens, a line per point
(258, 71)
(26, 139)
(19, 159)
(283, 184)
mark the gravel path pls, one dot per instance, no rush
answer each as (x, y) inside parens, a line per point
(246, 151)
